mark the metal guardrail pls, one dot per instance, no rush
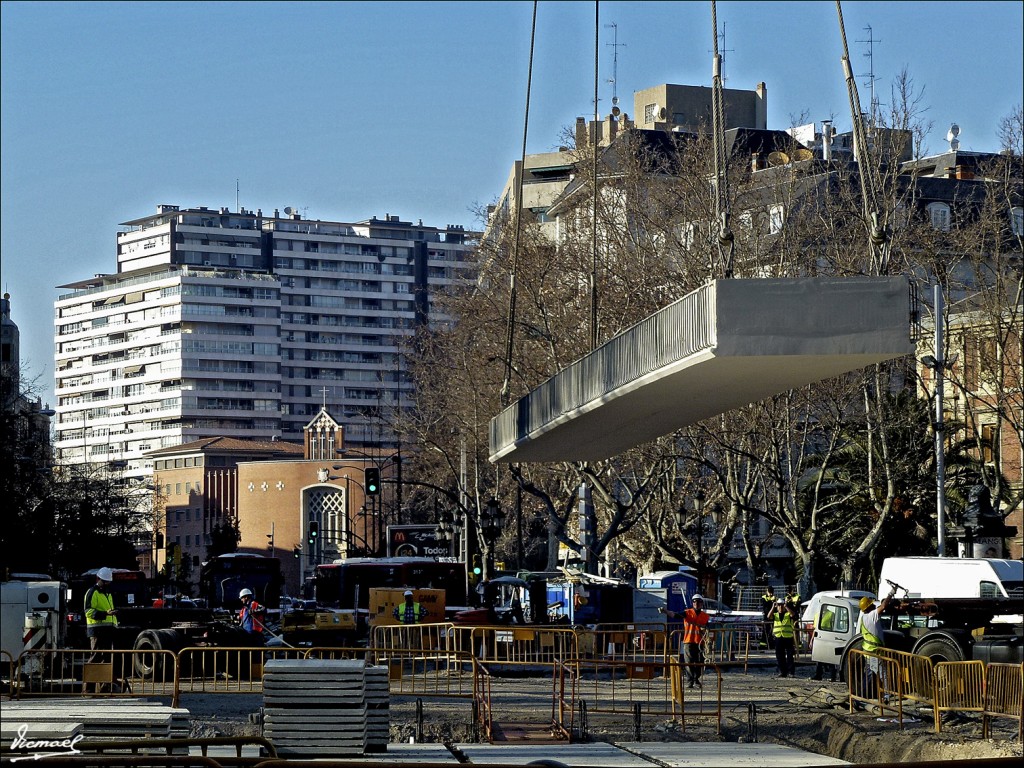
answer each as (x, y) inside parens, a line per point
(875, 680)
(226, 669)
(1004, 696)
(637, 642)
(959, 686)
(435, 636)
(917, 676)
(543, 647)
(107, 673)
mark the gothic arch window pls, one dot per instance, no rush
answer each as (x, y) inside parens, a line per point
(326, 505)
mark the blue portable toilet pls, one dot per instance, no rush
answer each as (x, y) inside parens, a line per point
(669, 589)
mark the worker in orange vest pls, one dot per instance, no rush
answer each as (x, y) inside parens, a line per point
(695, 621)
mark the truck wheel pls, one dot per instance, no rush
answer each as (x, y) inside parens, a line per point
(940, 649)
(148, 664)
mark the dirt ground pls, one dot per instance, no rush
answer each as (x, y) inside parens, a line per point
(756, 706)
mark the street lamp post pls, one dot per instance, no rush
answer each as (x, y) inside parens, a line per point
(937, 363)
(681, 517)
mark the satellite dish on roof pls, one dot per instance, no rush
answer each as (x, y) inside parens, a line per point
(954, 131)
(802, 154)
(778, 158)
(289, 211)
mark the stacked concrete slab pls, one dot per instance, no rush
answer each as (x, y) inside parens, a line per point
(93, 719)
(319, 707)
(378, 709)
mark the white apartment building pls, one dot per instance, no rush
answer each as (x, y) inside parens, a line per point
(220, 323)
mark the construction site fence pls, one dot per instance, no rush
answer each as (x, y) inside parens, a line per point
(107, 673)
(876, 681)
(1004, 696)
(639, 688)
(888, 679)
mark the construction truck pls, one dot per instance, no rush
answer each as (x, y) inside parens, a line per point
(922, 618)
(32, 614)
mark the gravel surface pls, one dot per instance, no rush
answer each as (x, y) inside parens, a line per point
(756, 705)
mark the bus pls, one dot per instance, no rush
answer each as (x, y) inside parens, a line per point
(221, 578)
(347, 583)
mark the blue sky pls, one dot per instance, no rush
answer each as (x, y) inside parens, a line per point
(346, 110)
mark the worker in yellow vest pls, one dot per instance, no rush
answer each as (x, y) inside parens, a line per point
(872, 633)
(783, 619)
(100, 615)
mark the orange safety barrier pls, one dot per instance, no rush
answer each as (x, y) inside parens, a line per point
(106, 673)
(959, 686)
(227, 670)
(431, 637)
(438, 673)
(875, 680)
(524, 645)
(916, 676)
(634, 641)
(1004, 696)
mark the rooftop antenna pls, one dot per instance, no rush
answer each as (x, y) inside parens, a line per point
(723, 50)
(615, 45)
(236, 197)
(870, 78)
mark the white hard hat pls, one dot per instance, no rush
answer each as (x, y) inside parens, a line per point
(408, 593)
(105, 574)
(697, 597)
(245, 593)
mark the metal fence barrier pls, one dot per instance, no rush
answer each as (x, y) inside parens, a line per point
(634, 641)
(107, 673)
(433, 637)
(917, 676)
(875, 680)
(525, 646)
(959, 686)
(227, 670)
(1004, 696)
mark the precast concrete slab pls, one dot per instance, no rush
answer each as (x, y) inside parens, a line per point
(679, 754)
(727, 344)
(592, 755)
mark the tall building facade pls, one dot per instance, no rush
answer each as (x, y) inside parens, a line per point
(236, 324)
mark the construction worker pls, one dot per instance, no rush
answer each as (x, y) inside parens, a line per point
(410, 612)
(100, 614)
(252, 615)
(695, 621)
(872, 633)
(767, 603)
(783, 619)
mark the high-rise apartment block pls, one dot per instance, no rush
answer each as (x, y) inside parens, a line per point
(237, 324)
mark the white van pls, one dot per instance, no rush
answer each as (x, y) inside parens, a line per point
(937, 577)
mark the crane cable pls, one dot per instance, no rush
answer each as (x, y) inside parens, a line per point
(725, 240)
(878, 239)
(510, 331)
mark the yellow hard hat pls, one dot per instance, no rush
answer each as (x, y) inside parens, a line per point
(865, 603)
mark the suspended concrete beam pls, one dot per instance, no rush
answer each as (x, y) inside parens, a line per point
(727, 344)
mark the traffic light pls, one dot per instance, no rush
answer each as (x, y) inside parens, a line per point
(371, 477)
(477, 570)
(297, 551)
(314, 531)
